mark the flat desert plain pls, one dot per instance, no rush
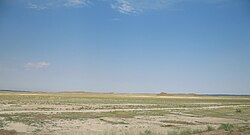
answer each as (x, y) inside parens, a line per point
(82, 113)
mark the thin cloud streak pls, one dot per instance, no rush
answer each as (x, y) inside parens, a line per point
(36, 65)
(130, 7)
(76, 3)
(48, 4)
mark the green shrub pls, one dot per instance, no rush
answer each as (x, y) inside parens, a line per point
(238, 110)
(186, 131)
(243, 128)
(210, 128)
(1, 124)
(198, 130)
(227, 127)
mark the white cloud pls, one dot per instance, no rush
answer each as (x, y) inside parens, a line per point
(124, 6)
(137, 6)
(47, 4)
(130, 7)
(35, 6)
(37, 65)
(76, 3)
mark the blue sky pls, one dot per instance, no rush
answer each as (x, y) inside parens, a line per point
(178, 46)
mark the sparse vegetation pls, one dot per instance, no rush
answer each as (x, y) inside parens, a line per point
(183, 131)
(168, 114)
(149, 132)
(186, 131)
(223, 113)
(1, 124)
(242, 128)
(172, 132)
(197, 131)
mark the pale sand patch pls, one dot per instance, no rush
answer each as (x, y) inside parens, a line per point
(97, 126)
(134, 125)
(19, 127)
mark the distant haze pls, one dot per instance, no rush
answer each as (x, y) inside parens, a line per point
(149, 46)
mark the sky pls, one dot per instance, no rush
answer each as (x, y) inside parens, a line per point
(136, 46)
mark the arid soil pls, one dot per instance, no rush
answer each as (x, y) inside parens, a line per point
(67, 114)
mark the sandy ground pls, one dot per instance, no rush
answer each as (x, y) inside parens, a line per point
(132, 125)
(176, 117)
(160, 124)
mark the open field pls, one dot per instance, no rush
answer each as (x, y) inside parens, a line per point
(76, 113)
